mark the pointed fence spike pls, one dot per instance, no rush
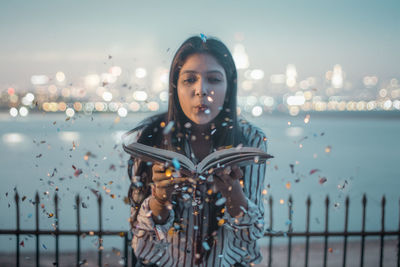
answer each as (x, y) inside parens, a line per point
(308, 201)
(37, 199)
(327, 200)
(364, 199)
(347, 201)
(16, 197)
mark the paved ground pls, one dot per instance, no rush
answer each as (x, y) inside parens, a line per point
(279, 255)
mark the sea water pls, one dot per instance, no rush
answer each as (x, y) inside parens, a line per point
(337, 155)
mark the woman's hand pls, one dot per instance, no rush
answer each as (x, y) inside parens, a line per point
(164, 183)
(227, 182)
(163, 187)
(227, 178)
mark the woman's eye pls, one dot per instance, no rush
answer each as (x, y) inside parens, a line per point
(214, 80)
(189, 80)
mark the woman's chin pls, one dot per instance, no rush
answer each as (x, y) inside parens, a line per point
(201, 119)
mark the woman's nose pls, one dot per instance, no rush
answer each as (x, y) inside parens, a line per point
(201, 89)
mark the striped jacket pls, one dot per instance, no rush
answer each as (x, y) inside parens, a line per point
(235, 240)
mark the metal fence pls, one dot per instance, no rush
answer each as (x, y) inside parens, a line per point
(130, 260)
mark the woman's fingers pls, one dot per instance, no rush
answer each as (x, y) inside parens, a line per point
(236, 172)
(170, 182)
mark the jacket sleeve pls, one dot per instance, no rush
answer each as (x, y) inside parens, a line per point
(250, 225)
(149, 239)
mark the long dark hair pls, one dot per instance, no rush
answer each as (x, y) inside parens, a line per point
(225, 124)
(226, 133)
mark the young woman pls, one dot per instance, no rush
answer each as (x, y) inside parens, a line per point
(179, 221)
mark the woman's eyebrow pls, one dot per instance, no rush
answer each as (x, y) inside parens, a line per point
(195, 72)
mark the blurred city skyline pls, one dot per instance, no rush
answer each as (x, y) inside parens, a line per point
(289, 53)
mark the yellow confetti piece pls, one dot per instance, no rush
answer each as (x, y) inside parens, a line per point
(162, 124)
(223, 210)
(171, 231)
(91, 233)
(241, 183)
(281, 201)
(264, 192)
(328, 149)
(209, 191)
(168, 172)
(117, 120)
(221, 222)
(112, 196)
(288, 185)
(51, 215)
(121, 234)
(289, 123)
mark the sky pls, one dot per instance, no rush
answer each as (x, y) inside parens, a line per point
(76, 37)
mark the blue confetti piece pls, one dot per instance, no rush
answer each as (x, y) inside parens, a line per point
(203, 37)
(288, 222)
(176, 164)
(44, 246)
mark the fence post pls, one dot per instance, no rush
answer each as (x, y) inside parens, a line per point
(346, 224)
(18, 225)
(56, 227)
(326, 230)
(382, 231)
(271, 222)
(78, 228)
(308, 204)
(37, 199)
(290, 229)
(100, 249)
(364, 205)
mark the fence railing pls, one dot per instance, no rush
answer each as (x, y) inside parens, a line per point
(129, 257)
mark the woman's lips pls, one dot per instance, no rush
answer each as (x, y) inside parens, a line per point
(201, 108)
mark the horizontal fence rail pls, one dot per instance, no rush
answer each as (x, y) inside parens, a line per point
(289, 234)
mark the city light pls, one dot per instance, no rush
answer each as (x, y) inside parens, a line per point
(23, 111)
(13, 112)
(60, 76)
(70, 112)
(140, 95)
(107, 96)
(140, 73)
(122, 112)
(39, 79)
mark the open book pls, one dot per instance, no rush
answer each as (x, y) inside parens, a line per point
(240, 156)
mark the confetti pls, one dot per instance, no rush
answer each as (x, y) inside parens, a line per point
(314, 171)
(176, 164)
(322, 180)
(44, 246)
(288, 185)
(38, 156)
(220, 201)
(168, 128)
(330, 250)
(22, 244)
(291, 168)
(328, 149)
(206, 246)
(203, 37)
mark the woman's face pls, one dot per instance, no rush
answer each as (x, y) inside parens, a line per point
(201, 87)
